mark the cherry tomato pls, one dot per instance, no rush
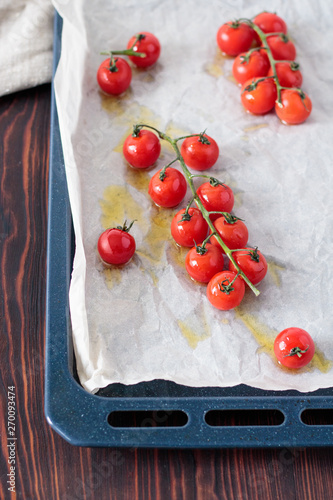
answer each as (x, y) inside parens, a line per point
(167, 189)
(216, 197)
(282, 48)
(142, 148)
(288, 74)
(269, 22)
(296, 107)
(116, 245)
(294, 348)
(189, 227)
(235, 37)
(258, 96)
(200, 152)
(202, 263)
(114, 77)
(148, 44)
(225, 290)
(234, 233)
(252, 262)
(254, 65)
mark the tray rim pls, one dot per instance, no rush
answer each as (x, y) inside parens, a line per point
(81, 418)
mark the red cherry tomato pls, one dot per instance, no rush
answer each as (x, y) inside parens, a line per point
(142, 148)
(225, 291)
(189, 227)
(167, 189)
(148, 44)
(288, 74)
(294, 348)
(296, 107)
(216, 197)
(235, 37)
(254, 65)
(116, 246)
(269, 22)
(234, 233)
(202, 263)
(259, 96)
(282, 48)
(114, 78)
(252, 262)
(200, 152)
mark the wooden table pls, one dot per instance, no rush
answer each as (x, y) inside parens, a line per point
(47, 467)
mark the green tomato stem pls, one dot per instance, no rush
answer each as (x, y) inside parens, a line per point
(204, 212)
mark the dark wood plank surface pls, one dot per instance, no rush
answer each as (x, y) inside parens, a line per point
(46, 466)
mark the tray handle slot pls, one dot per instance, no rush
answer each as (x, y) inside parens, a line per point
(246, 417)
(147, 418)
(317, 416)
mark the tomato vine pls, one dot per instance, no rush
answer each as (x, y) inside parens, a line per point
(205, 213)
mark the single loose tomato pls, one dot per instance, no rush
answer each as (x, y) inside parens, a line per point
(199, 152)
(252, 262)
(269, 22)
(114, 76)
(142, 148)
(288, 74)
(145, 43)
(258, 96)
(232, 230)
(116, 246)
(294, 348)
(203, 262)
(167, 187)
(295, 107)
(216, 197)
(235, 37)
(225, 290)
(189, 227)
(282, 48)
(253, 65)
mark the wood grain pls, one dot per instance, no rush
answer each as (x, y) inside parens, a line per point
(47, 466)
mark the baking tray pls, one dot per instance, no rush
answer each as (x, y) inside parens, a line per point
(158, 413)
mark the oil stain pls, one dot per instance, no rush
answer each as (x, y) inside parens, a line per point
(253, 128)
(274, 270)
(193, 335)
(215, 68)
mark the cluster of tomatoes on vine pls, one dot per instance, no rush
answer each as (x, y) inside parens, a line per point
(114, 75)
(265, 67)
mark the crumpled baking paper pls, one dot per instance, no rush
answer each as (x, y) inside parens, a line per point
(148, 320)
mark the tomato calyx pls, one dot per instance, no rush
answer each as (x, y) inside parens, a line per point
(234, 24)
(254, 84)
(124, 227)
(136, 130)
(296, 351)
(162, 175)
(226, 285)
(254, 254)
(127, 52)
(294, 66)
(230, 218)
(202, 249)
(186, 217)
(203, 139)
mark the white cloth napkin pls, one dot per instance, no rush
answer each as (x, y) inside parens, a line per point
(26, 34)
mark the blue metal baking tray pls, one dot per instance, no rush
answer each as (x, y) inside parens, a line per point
(158, 413)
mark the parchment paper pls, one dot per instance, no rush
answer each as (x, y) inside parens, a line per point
(148, 320)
